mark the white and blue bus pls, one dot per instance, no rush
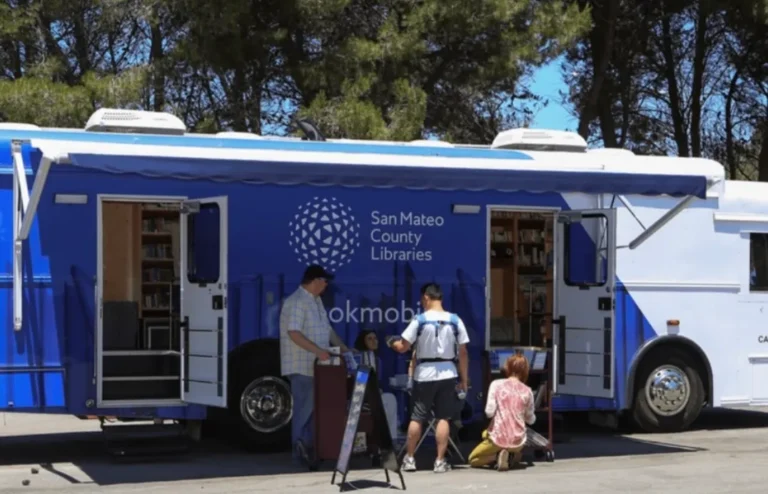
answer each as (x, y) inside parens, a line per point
(145, 266)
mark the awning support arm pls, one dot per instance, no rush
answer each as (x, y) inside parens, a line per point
(25, 207)
(626, 204)
(34, 197)
(658, 224)
(18, 176)
(18, 167)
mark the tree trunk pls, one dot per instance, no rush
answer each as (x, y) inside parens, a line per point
(82, 53)
(678, 121)
(699, 66)
(156, 56)
(762, 161)
(607, 123)
(729, 150)
(602, 39)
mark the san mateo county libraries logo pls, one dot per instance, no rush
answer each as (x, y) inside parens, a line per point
(325, 232)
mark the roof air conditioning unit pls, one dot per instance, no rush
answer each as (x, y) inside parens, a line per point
(135, 122)
(540, 140)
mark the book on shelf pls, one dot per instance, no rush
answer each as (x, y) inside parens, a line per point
(157, 251)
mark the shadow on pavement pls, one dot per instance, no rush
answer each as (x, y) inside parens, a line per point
(359, 485)
(216, 458)
(730, 419)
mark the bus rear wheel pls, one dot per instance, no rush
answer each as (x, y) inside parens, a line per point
(669, 392)
(261, 408)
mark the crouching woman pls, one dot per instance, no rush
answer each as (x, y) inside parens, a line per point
(510, 407)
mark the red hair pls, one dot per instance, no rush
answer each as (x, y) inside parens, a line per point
(517, 366)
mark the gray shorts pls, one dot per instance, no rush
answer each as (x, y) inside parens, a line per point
(434, 396)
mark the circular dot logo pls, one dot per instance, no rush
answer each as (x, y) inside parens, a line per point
(324, 231)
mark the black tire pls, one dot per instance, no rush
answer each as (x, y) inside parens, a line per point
(257, 387)
(670, 365)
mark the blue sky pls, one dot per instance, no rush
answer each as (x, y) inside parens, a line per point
(547, 81)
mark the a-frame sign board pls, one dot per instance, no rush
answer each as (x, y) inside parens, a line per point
(367, 391)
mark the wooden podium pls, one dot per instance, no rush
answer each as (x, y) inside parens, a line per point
(332, 392)
(331, 397)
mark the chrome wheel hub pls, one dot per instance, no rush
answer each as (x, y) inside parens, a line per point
(667, 390)
(266, 404)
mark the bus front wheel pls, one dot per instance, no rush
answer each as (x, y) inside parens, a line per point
(669, 392)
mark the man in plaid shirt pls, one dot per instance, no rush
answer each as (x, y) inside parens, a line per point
(305, 333)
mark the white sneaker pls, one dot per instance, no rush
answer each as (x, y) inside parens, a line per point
(502, 462)
(409, 464)
(441, 466)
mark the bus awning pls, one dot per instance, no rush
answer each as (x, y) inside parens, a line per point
(474, 171)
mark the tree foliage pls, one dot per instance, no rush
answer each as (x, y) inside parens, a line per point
(684, 77)
(378, 69)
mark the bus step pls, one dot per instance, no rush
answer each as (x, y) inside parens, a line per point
(143, 440)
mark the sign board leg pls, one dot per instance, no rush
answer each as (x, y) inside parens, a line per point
(366, 390)
(402, 480)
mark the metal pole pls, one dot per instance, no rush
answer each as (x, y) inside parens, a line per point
(34, 198)
(17, 279)
(666, 218)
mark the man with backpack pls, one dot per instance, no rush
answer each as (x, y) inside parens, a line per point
(439, 339)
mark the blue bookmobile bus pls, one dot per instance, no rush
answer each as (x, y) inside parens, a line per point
(145, 267)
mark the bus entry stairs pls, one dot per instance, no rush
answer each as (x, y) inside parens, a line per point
(140, 440)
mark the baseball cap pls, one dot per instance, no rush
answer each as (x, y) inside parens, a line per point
(316, 271)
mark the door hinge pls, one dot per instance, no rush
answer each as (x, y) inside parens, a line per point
(189, 207)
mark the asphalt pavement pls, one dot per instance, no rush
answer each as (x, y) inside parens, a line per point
(725, 451)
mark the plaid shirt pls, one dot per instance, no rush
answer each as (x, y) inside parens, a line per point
(303, 312)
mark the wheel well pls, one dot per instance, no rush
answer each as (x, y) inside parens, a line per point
(697, 358)
(265, 353)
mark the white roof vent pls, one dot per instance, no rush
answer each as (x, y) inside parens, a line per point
(429, 142)
(238, 135)
(540, 140)
(17, 126)
(134, 122)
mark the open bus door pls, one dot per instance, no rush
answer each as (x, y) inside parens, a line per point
(583, 339)
(204, 257)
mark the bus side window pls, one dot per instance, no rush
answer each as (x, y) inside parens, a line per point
(758, 262)
(204, 245)
(585, 251)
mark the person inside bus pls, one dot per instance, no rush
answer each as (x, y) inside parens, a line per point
(510, 407)
(305, 333)
(367, 343)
